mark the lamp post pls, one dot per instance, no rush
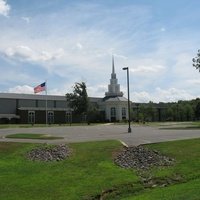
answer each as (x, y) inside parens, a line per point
(129, 114)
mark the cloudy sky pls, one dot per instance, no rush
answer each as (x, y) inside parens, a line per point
(68, 41)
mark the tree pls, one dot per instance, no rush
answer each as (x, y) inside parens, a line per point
(78, 100)
(141, 114)
(197, 111)
(189, 112)
(150, 111)
(169, 114)
(196, 61)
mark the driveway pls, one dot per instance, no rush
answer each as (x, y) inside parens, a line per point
(139, 134)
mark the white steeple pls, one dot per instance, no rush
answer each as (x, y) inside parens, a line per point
(113, 87)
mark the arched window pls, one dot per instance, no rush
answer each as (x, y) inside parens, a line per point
(31, 117)
(50, 117)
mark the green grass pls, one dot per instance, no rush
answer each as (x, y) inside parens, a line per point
(176, 125)
(181, 125)
(184, 191)
(186, 168)
(33, 136)
(182, 128)
(90, 171)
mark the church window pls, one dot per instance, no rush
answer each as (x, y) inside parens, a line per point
(50, 117)
(123, 113)
(69, 117)
(31, 117)
(113, 112)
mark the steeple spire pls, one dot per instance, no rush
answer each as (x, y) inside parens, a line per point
(113, 65)
(113, 75)
(113, 87)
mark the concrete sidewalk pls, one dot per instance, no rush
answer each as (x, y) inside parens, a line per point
(139, 135)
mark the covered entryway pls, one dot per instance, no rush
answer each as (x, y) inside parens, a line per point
(9, 118)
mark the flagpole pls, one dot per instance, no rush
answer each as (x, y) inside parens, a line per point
(46, 101)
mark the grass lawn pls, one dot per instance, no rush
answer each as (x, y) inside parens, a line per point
(87, 173)
(90, 171)
(32, 136)
(187, 155)
(183, 191)
(183, 128)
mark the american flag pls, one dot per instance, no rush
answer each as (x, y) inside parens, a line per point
(40, 88)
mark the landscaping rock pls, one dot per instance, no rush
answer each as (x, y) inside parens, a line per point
(141, 158)
(49, 153)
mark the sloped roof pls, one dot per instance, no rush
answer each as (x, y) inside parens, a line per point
(31, 96)
(115, 99)
(41, 97)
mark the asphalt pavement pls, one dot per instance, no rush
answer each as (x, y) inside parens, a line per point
(71, 134)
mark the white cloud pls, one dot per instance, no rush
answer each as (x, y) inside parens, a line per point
(193, 82)
(4, 8)
(23, 89)
(172, 94)
(141, 97)
(25, 53)
(19, 52)
(146, 69)
(162, 95)
(97, 91)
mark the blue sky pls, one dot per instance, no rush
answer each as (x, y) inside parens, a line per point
(66, 41)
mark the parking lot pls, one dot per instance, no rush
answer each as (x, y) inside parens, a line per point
(139, 134)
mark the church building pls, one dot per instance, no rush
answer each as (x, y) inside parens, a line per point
(31, 108)
(114, 104)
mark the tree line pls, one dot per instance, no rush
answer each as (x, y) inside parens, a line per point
(173, 111)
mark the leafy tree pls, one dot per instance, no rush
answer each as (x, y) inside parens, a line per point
(197, 111)
(78, 100)
(150, 111)
(189, 112)
(196, 61)
(170, 114)
(142, 113)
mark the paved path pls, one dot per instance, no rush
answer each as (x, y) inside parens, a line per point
(139, 135)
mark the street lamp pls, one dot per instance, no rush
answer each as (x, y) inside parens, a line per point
(129, 114)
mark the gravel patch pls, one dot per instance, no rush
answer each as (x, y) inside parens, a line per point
(49, 153)
(141, 158)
